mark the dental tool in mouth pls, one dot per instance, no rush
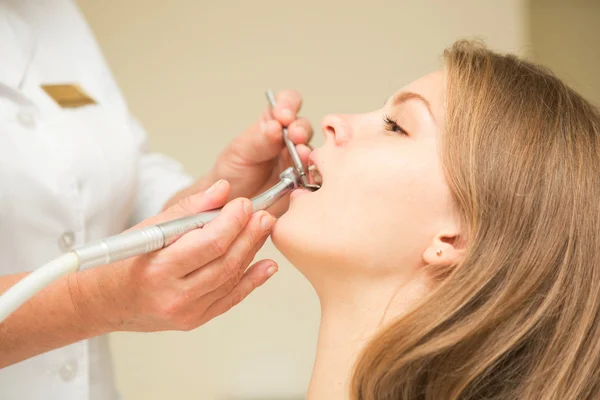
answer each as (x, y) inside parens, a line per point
(306, 184)
(129, 244)
(314, 175)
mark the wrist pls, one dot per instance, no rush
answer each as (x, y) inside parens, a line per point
(92, 297)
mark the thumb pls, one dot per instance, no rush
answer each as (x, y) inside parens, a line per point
(261, 142)
(214, 197)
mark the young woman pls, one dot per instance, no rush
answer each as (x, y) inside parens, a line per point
(455, 242)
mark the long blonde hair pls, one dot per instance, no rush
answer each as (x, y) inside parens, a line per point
(519, 317)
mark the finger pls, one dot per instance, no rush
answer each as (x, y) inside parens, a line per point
(213, 197)
(267, 115)
(300, 131)
(210, 276)
(225, 288)
(287, 105)
(201, 246)
(274, 134)
(303, 151)
(269, 145)
(285, 160)
(260, 143)
(254, 277)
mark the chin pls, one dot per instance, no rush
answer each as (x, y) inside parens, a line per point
(287, 238)
(294, 236)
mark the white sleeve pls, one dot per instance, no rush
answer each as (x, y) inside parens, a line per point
(158, 178)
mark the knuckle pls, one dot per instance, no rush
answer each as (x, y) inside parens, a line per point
(185, 205)
(241, 218)
(250, 237)
(254, 283)
(211, 275)
(232, 265)
(186, 293)
(236, 278)
(169, 309)
(217, 245)
(251, 242)
(235, 215)
(235, 299)
(154, 274)
(228, 286)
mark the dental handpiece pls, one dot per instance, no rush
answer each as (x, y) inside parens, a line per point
(130, 244)
(155, 237)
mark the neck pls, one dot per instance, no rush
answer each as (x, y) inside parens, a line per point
(350, 318)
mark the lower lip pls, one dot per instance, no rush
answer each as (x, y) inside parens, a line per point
(299, 192)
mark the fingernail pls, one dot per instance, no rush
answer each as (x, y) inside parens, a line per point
(248, 207)
(266, 221)
(271, 270)
(214, 186)
(287, 113)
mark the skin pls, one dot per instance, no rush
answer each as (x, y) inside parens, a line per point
(364, 239)
(200, 276)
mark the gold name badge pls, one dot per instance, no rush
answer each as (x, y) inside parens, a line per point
(68, 95)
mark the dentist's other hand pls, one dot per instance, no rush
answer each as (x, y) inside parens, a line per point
(200, 276)
(252, 162)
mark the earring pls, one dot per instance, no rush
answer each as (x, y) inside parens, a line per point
(439, 252)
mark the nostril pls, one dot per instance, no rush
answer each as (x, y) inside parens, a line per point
(329, 125)
(329, 130)
(336, 127)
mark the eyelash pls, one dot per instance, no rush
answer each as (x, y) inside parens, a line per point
(392, 125)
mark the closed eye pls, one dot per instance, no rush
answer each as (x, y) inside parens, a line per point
(392, 126)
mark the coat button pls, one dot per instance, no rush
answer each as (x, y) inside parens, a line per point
(66, 241)
(68, 371)
(26, 119)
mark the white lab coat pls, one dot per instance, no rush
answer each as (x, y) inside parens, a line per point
(67, 176)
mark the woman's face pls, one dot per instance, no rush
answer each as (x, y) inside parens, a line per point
(383, 198)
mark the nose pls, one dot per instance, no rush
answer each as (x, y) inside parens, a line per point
(336, 127)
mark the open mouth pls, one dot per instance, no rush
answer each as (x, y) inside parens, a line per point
(314, 175)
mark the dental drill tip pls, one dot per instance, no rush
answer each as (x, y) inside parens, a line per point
(305, 180)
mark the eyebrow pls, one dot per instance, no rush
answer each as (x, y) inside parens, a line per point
(406, 96)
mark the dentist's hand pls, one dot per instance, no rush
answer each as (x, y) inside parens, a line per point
(200, 276)
(252, 162)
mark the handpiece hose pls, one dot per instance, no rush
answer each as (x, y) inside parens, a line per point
(129, 244)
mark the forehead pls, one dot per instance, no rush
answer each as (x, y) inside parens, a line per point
(431, 87)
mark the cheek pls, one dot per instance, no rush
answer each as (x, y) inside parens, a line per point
(372, 211)
(391, 181)
(393, 200)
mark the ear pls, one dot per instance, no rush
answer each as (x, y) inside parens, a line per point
(446, 248)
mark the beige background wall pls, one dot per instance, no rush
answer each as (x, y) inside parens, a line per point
(565, 35)
(194, 73)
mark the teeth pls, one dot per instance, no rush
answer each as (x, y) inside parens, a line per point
(315, 175)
